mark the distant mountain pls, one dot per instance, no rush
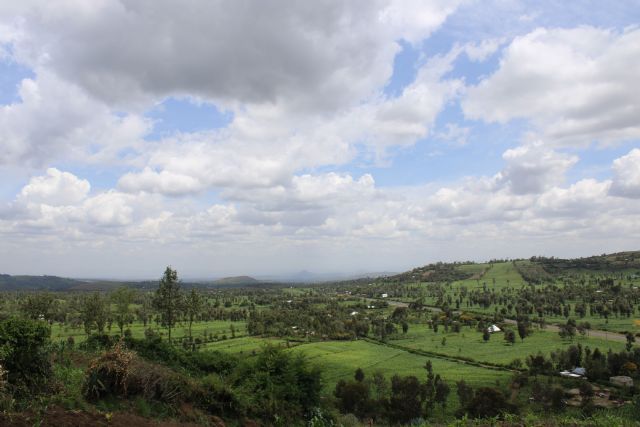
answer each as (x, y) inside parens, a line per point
(236, 280)
(305, 276)
(32, 283)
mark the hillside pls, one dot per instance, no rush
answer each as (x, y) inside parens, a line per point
(235, 281)
(616, 262)
(52, 283)
(534, 270)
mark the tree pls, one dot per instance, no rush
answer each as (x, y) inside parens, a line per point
(464, 392)
(586, 395)
(359, 375)
(193, 306)
(283, 386)
(404, 403)
(94, 312)
(145, 310)
(486, 335)
(510, 336)
(38, 306)
(630, 340)
(567, 331)
(405, 327)
(488, 402)
(538, 364)
(556, 399)
(442, 392)
(168, 300)
(122, 298)
(522, 330)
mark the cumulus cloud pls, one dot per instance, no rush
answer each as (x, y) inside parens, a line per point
(305, 82)
(318, 55)
(265, 146)
(533, 168)
(626, 170)
(575, 85)
(55, 188)
(480, 51)
(56, 119)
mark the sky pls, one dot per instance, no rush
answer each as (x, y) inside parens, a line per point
(268, 137)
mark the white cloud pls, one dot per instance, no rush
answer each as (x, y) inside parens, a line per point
(304, 83)
(312, 56)
(575, 85)
(626, 181)
(109, 209)
(533, 168)
(480, 51)
(56, 188)
(55, 119)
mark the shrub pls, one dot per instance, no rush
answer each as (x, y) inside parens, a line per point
(68, 382)
(197, 363)
(121, 373)
(5, 400)
(97, 342)
(279, 385)
(107, 374)
(24, 354)
(220, 398)
(488, 402)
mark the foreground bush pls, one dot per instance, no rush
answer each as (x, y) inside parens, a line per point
(24, 356)
(121, 373)
(195, 363)
(279, 386)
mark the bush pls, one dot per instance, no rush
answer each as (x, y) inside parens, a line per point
(121, 373)
(97, 342)
(68, 382)
(220, 398)
(196, 363)
(24, 354)
(6, 402)
(279, 385)
(107, 375)
(488, 402)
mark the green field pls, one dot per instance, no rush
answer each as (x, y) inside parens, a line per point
(340, 359)
(220, 327)
(243, 346)
(469, 344)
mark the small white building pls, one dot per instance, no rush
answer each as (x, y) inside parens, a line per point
(579, 371)
(385, 295)
(354, 313)
(493, 329)
(567, 374)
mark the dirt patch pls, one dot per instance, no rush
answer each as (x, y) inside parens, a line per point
(58, 417)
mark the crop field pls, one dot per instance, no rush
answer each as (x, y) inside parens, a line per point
(243, 346)
(614, 324)
(340, 359)
(215, 327)
(469, 344)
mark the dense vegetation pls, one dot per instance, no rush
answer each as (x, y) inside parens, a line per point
(411, 348)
